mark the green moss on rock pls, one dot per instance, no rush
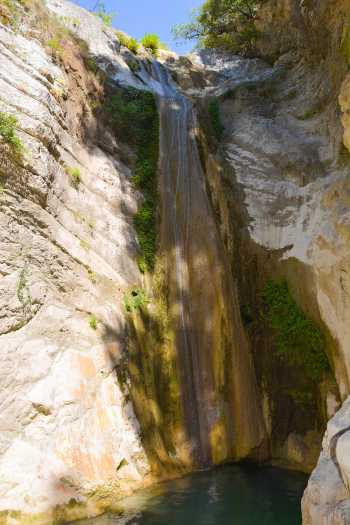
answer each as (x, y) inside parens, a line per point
(134, 118)
(215, 118)
(135, 299)
(345, 41)
(298, 338)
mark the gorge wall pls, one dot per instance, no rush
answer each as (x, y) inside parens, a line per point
(284, 158)
(113, 377)
(68, 251)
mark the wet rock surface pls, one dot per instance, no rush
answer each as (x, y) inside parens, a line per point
(279, 182)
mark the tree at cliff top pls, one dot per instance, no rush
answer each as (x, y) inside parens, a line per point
(225, 24)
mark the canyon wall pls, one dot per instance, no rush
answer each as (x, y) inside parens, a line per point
(68, 252)
(100, 397)
(112, 378)
(279, 180)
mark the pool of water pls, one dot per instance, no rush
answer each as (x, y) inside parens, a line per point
(233, 495)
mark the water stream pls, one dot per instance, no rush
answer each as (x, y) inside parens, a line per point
(237, 495)
(220, 399)
(221, 410)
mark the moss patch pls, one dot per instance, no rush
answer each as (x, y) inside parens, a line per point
(134, 117)
(345, 41)
(149, 373)
(215, 119)
(298, 338)
(75, 176)
(134, 299)
(93, 322)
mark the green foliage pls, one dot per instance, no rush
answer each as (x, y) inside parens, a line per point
(135, 299)
(152, 42)
(144, 222)
(227, 24)
(93, 322)
(134, 117)
(133, 45)
(55, 44)
(345, 41)
(75, 176)
(214, 112)
(92, 224)
(101, 13)
(127, 41)
(8, 124)
(9, 13)
(298, 338)
(91, 64)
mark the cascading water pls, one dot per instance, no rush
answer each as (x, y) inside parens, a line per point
(221, 410)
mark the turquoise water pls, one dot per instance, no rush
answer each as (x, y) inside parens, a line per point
(233, 495)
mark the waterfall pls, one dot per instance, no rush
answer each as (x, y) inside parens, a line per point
(221, 408)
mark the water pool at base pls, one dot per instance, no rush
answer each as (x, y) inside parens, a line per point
(232, 495)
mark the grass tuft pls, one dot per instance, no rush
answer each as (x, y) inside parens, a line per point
(127, 41)
(75, 176)
(8, 134)
(93, 322)
(152, 42)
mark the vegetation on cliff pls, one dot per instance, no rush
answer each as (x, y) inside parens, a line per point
(75, 176)
(103, 15)
(134, 117)
(8, 134)
(10, 13)
(298, 338)
(152, 42)
(127, 41)
(227, 24)
(215, 118)
(135, 299)
(149, 368)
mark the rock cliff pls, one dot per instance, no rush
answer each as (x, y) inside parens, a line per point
(280, 182)
(68, 251)
(111, 377)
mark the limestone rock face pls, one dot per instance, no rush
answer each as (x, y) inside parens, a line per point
(67, 253)
(70, 444)
(326, 499)
(69, 439)
(280, 183)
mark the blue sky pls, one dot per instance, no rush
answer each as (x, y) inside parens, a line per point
(137, 17)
